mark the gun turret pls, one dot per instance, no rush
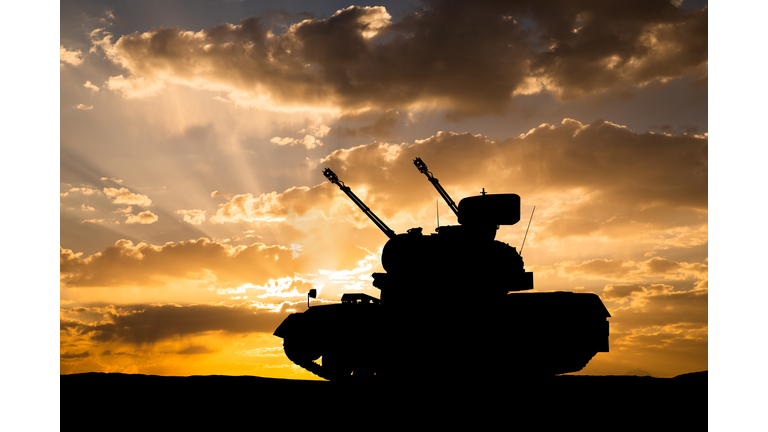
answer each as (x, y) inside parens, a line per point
(485, 210)
(333, 178)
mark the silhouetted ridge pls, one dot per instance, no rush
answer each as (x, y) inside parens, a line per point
(476, 399)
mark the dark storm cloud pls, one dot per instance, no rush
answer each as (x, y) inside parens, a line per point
(156, 323)
(381, 128)
(468, 58)
(600, 45)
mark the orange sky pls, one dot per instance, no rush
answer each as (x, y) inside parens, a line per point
(194, 216)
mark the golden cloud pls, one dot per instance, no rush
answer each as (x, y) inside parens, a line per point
(317, 131)
(620, 270)
(656, 306)
(154, 323)
(308, 141)
(82, 190)
(145, 265)
(272, 206)
(664, 329)
(597, 180)
(74, 58)
(124, 196)
(144, 218)
(194, 217)
(622, 293)
(92, 87)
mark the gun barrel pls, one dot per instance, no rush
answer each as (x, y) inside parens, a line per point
(436, 183)
(333, 178)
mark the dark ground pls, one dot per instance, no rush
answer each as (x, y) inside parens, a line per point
(98, 401)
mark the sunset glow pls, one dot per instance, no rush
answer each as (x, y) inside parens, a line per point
(194, 216)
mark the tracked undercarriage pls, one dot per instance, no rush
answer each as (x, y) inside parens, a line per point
(535, 334)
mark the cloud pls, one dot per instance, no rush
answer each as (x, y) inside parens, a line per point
(124, 196)
(620, 270)
(197, 349)
(272, 206)
(227, 195)
(650, 308)
(308, 141)
(596, 47)
(155, 323)
(622, 293)
(381, 128)
(144, 218)
(263, 352)
(145, 265)
(134, 88)
(74, 355)
(599, 181)
(469, 59)
(316, 131)
(82, 190)
(601, 269)
(90, 86)
(658, 326)
(74, 58)
(194, 217)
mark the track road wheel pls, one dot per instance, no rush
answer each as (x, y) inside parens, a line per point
(336, 367)
(300, 351)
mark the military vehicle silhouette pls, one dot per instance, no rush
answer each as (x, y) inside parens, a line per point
(422, 327)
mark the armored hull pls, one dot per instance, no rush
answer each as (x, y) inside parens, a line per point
(525, 334)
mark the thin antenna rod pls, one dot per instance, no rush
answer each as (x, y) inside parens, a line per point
(526, 231)
(437, 210)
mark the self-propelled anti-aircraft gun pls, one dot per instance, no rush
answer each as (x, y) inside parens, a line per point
(450, 300)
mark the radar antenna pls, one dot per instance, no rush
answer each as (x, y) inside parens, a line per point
(423, 169)
(333, 178)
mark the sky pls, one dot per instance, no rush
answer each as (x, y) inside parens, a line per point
(194, 216)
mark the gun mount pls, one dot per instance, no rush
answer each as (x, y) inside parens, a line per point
(423, 313)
